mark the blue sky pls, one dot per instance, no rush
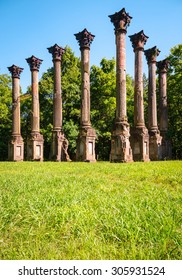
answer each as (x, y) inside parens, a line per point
(28, 27)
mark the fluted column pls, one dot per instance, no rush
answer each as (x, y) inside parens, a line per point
(35, 143)
(163, 111)
(140, 136)
(87, 135)
(120, 144)
(16, 145)
(154, 133)
(59, 142)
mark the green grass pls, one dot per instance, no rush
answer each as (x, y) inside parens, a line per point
(91, 211)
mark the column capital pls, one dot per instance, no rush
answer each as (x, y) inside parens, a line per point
(34, 63)
(15, 71)
(138, 40)
(84, 38)
(56, 52)
(163, 65)
(121, 21)
(151, 54)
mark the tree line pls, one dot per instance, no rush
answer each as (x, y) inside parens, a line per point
(103, 104)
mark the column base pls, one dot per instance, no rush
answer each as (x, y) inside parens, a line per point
(154, 145)
(59, 147)
(120, 144)
(16, 149)
(86, 145)
(165, 148)
(35, 149)
(140, 144)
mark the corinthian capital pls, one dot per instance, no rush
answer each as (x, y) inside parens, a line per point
(15, 71)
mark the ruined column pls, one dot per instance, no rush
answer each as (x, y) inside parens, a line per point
(166, 150)
(139, 134)
(154, 133)
(120, 143)
(16, 145)
(59, 142)
(87, 135)
(36, 141)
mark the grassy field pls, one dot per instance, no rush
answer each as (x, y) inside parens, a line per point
(91, 211)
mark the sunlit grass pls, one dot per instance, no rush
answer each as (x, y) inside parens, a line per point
(91, 211)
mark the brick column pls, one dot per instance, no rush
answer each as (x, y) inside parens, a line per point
(154, 133)
(87, 135)
(59, 141)
(16, 145)
(140, 136)
(120, 144)
(166, 150)
(36, 141)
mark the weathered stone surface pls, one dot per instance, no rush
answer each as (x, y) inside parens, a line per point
(139, 135)
(35, 142)
(16, 145)
(120, 144)
(154, 133)
(87, 135)
(59, 145)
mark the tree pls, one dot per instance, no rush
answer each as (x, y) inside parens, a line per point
(174, 93)
(5, 114)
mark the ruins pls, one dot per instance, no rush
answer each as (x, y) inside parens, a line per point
(139, 134)
(144, 144)
(120, 143)
(166, 151)
(154, 133)
(16, 145)
(87, 135)
(59, 142)
(35, 142)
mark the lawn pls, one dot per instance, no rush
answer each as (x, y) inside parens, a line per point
(92, 211)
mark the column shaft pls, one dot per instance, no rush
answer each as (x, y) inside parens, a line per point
(152, 105)
(85, 72)
(138, 96)
(57, 100)
(163, 112)
(16, 107)
(121, 114)
(35, 104)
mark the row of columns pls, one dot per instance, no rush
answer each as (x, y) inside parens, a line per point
(143, 144)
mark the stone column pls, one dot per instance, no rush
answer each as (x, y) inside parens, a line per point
(166, 150)
(59, 141)
(120, 144)
(16, 145)
(87, 135)
(154, 133)
(36, 141)
(140, 136)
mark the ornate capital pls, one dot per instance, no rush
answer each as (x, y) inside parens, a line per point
(15, 71)
(138, 40)
(121, 21)
(56, 52)
(163, 65)
(84, 38)
(151, 54)
(34, 63)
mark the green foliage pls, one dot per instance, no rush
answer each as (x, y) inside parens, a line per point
(90, 211)
(175, 100)
(5, 114)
